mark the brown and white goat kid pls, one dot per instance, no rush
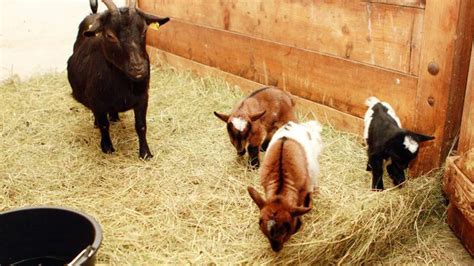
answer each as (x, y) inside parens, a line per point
(289, 176)
(255, 119)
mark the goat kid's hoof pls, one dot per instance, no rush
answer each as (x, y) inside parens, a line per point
(377, 189)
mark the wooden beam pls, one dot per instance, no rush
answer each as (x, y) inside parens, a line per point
(323, 113)
(446, 44)
(372, 33)
(340, 84)
(411, 3)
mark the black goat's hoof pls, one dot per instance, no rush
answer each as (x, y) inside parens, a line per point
(107, 148)
(377, 189)
(146, 155)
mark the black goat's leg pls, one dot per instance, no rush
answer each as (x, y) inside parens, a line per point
(103, 124)
(377, 172)
(114, 117)
(253, 156)
(140, 127)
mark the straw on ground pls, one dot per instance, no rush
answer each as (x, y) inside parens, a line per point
(189, 204)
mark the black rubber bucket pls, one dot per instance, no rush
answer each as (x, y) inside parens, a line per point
(48, 236)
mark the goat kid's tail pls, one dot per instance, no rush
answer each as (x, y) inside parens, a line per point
(371, 101)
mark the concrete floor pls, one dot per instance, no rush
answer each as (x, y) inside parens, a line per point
(37, 36)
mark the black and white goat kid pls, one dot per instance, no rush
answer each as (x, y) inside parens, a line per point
(387, 140)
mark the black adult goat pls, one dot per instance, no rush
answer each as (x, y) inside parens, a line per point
(109, 70)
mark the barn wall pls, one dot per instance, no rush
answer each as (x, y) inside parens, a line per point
(331, 54)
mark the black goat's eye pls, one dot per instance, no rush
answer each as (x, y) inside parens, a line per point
(110, 36)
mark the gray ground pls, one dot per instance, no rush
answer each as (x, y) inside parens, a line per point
(37, 36)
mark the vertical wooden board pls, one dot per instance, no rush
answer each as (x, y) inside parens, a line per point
(376, 34)
(440, 95)
(337, 83)
(323, 113)
(466, 136)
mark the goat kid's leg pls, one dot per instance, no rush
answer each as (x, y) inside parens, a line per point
(264, 145)
(396, 174)
(103, 124)
(114, 117)
(377, 173)
(253, 156)
(140, 127)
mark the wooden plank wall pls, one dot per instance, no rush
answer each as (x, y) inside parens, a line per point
(331, 53)
(323, 51)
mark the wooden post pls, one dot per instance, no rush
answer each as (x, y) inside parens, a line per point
(446, 45)
(466, 140)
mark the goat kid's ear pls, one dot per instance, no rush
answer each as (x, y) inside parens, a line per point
(149, 18)
(256, 197)
(257, 116)
(298, 211)
(420, 137)
(95, 27)
(222, 117)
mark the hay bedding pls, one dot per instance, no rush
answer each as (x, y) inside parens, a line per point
(189, 203)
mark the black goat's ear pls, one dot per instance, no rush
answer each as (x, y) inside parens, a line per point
(94, 27)
(149, 18)
(420, 137)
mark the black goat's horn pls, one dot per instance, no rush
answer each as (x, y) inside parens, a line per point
(132, 6)
(93, 4)
(111, 6)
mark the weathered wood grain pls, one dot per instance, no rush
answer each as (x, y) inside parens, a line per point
(383, 35)
(337, 83)
(323, 113)
(412, 3)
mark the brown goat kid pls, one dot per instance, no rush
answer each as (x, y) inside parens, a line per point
(255, 119)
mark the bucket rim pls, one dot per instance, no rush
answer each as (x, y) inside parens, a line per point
(97, 228)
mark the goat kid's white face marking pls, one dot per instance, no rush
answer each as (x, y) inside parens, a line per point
(410, 144)
(270, 224)
(239, 123)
